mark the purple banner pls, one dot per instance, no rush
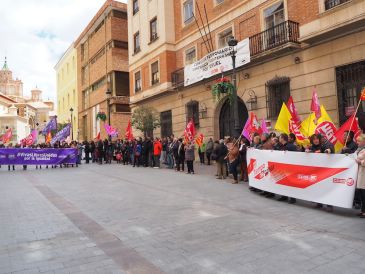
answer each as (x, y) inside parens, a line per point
(31, 156)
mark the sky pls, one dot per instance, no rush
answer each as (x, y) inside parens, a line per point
(34, 34)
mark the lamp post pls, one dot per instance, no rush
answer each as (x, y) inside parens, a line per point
(232, 42)
(72, 127)
(108, 96)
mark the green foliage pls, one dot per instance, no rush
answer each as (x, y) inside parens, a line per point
(101, 116)
(222, 88)
(145, 119)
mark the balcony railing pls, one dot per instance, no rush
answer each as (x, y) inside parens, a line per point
(177, 78)
(281, 34)
(330, 4)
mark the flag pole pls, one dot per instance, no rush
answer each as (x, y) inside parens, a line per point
(352, 120)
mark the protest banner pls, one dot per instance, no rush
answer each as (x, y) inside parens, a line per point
(322, 178)
(31, 156)
(217, 62)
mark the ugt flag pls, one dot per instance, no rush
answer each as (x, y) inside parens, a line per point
(52, 125)
(62, 134)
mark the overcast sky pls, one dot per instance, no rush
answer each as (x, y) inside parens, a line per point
(35, 33)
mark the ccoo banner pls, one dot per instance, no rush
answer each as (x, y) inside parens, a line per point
(217, 62)
(322, 178)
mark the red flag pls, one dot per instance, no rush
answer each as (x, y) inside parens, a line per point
(199, 140)
(98, 136)
(189, 131)
(293, 110)
(48, 137)
(128, 131)
(30, 139)
(315, 106)
(348, 127)
(362, 97)
(7, 136)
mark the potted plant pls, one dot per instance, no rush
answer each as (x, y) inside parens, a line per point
(223, 87)
(101, 115)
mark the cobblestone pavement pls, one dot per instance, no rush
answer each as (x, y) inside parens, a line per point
(120, 219)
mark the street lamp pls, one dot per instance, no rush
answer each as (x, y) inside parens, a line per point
(232, 42)
(108, 96)
(72, 127)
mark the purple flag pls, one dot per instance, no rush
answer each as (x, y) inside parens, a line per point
(52, 125)
(245, 131)
(62, 134)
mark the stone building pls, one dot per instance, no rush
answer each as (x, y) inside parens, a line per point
(9, 86)
(67, 99)
(296, 47)
(102, 65)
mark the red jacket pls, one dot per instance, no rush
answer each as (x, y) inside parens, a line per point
(157, 148)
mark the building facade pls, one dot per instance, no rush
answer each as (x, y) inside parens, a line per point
(67, 92)
(102, 68)
(295, 46)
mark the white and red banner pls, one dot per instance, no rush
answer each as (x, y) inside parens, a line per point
(322, 178)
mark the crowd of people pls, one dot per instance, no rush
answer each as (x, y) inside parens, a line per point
(229, 155)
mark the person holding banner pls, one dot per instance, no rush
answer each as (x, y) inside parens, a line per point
(361, 174)
(350, 146)
(243, 158)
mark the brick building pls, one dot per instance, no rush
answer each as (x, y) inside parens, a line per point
(295, 46)
(102, 65)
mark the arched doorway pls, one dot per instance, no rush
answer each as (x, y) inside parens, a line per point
(226, 118)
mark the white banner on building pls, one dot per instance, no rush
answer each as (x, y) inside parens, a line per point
(322, 178)
(216, 62)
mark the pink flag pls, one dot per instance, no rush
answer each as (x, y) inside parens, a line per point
(263, 126)
(246, 130)
(113, 132)
(30, 139)
(315, 106)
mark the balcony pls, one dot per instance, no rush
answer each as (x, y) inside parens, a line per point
(337, 18)
(279, 39)
(281, 34)
(177, 78)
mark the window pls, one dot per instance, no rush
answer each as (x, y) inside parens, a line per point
(82, 52)
(274, 15)
(153, 29)
(98, 84)
(192, 112)
(188, 11)
(223, 38)
(122, 108)
(329, 4)
(190, 56)
(119, 14)
(137, 81)
(136, 43)
(155, 75)
(350, 80)
(135, 7)
(217, 2)
(277, 92)
(166, 123)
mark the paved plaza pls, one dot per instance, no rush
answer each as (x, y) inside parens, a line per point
(120, 219)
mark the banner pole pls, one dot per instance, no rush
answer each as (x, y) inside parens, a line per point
(352, 121)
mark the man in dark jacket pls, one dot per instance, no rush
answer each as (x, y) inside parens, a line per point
(180, 156)
(221, 153)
